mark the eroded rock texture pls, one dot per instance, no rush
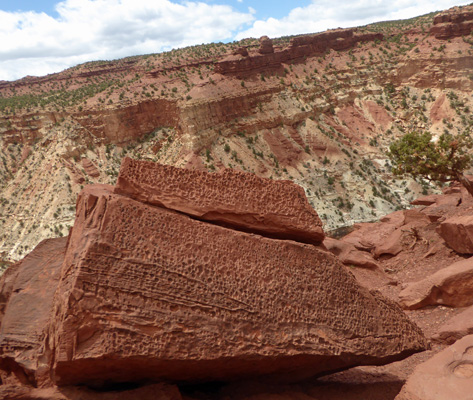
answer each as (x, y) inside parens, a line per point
(148, 293)
(27, 300)
(232, 198)
(143, 293)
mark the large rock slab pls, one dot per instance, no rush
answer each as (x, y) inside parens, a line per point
(150, 294)
(446, 376)
(27, 297)
(451, 286)
(232, 198)
(458, 233)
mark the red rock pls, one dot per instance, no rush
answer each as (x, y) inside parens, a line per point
(436, 213)
(158, 391)
(451, 286)
(455, 188)
(348, 254)
(446, 376)
(27, 301)
(396, 218)
(242, 51)
(453, 200)
(458, 233)
(150, 294)
(266, 45)
(285, 151)
(414, 219)
(457, 327)
(121, 125)
(368, 236)
(426, 200)
(300, 47)
(276, 208)
(453, 22)
(89, 168)
(405, 221)
(391, 246)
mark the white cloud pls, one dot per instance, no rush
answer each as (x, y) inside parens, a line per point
(321, 15)
(37, 44)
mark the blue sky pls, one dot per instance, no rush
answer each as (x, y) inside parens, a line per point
(44, 36)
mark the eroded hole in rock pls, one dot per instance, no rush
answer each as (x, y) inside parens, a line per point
(469, 351)
(115, 386)
(464, 370)
(202, 390)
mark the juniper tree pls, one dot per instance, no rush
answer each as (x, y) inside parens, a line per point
(443, 160)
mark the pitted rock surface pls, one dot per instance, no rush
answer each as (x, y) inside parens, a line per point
(236, 199)
(150, 294)
(27, 296)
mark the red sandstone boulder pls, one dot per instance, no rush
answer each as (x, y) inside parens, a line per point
(456, 328)
(151, 294)
(231, 198)
(27, 301)
(458, 233)
(367, 236)
(451, 286)
(145, 293)
(391, 245)
(425, 200)
(348, 254)
(446, 376)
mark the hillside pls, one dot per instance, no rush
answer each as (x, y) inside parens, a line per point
(319, 110)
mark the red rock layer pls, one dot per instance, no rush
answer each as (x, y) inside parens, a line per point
(128, 123)
(237, 199)
(27, 293)
(149, 294)
(457, 21)
(300, 47)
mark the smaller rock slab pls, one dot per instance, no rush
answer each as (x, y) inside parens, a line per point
(348, 254)
(451, 286)
(455, 328)
(235, 199)
(458, 233)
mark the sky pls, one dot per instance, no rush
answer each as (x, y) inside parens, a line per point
(39, 37)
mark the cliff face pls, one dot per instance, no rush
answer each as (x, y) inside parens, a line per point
(316, 109)
(457, 21)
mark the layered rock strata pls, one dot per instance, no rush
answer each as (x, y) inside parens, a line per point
(148, 293)
(302, 46)
(457, 21)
